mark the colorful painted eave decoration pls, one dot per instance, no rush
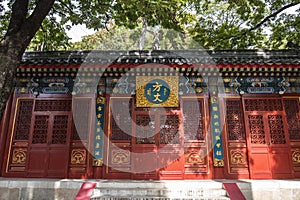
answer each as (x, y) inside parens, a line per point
(241, 70)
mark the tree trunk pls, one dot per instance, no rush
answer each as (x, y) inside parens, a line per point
(11, 51)
(8, 66)
(20, 31)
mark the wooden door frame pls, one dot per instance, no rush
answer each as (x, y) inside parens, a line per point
(267, 134)
(16, 98)
(207, 142)
(12, 119)
(106, 174)
(4, 131)
(160, 172)
(51, 115)
(193, 144)
(235, 147)
(294, 144)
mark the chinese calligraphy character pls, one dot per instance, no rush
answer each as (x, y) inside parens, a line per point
(157, 87)
(98, 137)
(149, 92)
(156, 97)
(215, 108)
(216, 124)
(217, 130)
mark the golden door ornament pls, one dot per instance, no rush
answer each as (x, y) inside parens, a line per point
(78, 156)
(296, 156)
(237, 157)
(19, 156)
(120, 157)
(195, 157)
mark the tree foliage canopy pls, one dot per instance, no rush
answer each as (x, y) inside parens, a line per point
(215, 24)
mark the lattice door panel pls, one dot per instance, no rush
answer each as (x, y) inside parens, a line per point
(256, 129)
(53, 105)
(293, 117)
(235, 120)
(60, 129)
(263, 104)
(121, 119)
(277, 132)
(40, 129)
(169, 129)
(193, 120)
(145, 129)
(23, 120)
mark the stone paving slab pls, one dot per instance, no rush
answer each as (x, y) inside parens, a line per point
(65, 189)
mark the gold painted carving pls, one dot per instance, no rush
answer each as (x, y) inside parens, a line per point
(100, 100)
(97, 162)
(237, 144)
(78, 156)
(120, 157)
(239, 169)
(17, 168)
(22, 144)
(142, 101)
(19, 156)
(296, 168)
(237, 157)
(78, 168)
(295, 143)
(218, 163)
(195, 157)
(296, 156)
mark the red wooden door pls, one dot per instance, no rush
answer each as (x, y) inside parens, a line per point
(49, 145)
(157, 145)
(267, 139)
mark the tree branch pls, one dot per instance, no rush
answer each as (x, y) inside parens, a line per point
(68, 7)
(267, 18)
(271, 16)
(18, 16)
(35, 20)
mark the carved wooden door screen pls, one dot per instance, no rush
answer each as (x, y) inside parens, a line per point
(267, 138)
(157, 143)
(49, 139)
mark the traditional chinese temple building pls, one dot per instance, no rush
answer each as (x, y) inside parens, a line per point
(154, 115)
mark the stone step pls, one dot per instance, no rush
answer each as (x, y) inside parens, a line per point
(178, 184)
(159, 192)
(158, 198)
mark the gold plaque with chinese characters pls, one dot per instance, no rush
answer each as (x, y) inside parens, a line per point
(157, 91)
